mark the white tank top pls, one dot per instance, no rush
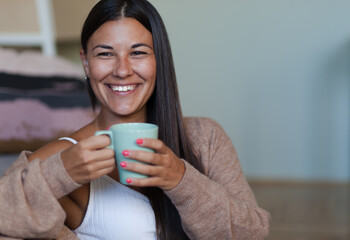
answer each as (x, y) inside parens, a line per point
(116, 212)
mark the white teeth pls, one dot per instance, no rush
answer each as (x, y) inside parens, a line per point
(123, 88)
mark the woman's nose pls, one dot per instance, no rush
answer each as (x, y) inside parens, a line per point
(123, 67)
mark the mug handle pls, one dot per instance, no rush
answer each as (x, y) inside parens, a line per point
(108, 133)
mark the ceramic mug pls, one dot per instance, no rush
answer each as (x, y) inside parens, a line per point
(123, 137)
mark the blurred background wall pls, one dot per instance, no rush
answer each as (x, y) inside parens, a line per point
(274, 74)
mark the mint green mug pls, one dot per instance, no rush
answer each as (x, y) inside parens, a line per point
(123, 137)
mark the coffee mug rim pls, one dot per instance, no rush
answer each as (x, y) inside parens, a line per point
(120, 126)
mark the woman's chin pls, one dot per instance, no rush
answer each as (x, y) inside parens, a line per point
(131, 114)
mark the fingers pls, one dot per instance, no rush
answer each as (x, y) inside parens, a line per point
(164, 168)
(149, 157)
(95, 142)
(84, 164)
(154, 144)
(98, 161)
(142, 168)
(95, 169)
(101, 154)
(142, 156)
(148, 182)
(78, 155)
(98, 168)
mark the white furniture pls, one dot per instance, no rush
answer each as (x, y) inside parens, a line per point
(45, 38)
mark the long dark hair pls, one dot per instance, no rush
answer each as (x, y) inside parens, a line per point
(163, 107)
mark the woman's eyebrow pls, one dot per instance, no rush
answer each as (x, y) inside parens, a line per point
(103, 46)
(136, 45)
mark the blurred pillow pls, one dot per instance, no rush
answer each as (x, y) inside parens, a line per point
(58, 83)
(50, 97)
(33, 63)
(26, 124)
(41, 98)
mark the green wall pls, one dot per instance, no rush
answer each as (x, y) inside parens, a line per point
(274, 74)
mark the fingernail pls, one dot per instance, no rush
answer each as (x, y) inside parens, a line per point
(126, 153)
(123, 164)
(128, 180)
(139, 141)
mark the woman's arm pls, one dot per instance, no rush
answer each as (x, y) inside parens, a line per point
(219, 204)
(28, 197)
(29, 190)
(84, 161)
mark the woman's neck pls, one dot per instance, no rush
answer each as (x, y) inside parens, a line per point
(105, 119)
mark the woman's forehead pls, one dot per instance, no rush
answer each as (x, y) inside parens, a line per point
(127, 31)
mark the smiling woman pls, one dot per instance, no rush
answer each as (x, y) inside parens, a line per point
(121, 70)
(194, 189)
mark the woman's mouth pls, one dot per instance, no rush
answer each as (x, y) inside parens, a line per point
(123, 88)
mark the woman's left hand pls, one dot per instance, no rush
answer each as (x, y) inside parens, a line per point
(164, 168)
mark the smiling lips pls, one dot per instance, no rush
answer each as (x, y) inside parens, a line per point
(124, 88)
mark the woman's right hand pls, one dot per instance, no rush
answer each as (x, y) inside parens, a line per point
(89, 159)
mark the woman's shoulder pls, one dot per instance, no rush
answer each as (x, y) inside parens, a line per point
(203, 127)
(201, 123)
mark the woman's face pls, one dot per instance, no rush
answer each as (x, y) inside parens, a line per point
(121, 65)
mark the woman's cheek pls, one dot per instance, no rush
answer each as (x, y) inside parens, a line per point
(100, 71)
(147, 68)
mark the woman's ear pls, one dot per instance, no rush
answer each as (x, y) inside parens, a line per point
(85, 62)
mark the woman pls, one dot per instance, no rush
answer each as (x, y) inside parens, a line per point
(196, 188)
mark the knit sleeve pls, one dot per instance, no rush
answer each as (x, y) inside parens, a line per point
(218, 204)
(28, 197)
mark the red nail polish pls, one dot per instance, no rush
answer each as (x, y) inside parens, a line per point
(126, 153)
(128, 180)
(123, 164)
(139, 141)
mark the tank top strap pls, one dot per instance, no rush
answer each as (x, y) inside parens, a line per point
(69, 139)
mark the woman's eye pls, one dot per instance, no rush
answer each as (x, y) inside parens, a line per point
(105, 54)
(137, 53)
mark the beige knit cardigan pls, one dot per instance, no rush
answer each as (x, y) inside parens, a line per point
(218, 204)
